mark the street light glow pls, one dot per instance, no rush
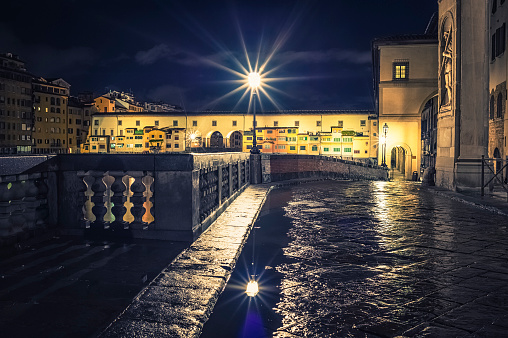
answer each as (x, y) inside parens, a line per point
(254, 80)
(252, 288)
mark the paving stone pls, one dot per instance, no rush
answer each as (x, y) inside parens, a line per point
(458, 294)
(470, 317)
(141, 329)
(482, 283)
(188, 279)
(431, 329)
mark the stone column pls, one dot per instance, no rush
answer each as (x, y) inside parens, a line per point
(463, 92)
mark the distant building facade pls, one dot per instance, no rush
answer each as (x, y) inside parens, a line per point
(51, 98)
(312, 132)
(16, 117)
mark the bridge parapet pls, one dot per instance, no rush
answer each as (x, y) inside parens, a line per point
(173, 197)
(275, 167)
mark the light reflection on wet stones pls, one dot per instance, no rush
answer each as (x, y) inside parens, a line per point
(388, 259)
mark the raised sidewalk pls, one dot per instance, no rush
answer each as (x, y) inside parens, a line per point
(180, 299)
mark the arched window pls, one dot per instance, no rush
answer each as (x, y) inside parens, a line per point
(492, 107)
(500, 105)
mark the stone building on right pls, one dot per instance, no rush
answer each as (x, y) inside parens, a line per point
(498, 122)
(464, 68)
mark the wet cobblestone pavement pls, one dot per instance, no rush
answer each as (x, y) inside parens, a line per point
(370, 259)
(75, 287)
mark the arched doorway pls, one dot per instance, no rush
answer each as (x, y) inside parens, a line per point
(235, 140)
(216, 140)
(398, 159)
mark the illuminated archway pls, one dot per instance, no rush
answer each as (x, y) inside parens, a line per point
(234, 139)
(401, 158)
(216, 140)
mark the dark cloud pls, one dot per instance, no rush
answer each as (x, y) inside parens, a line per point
(327, 56)
(154, 54)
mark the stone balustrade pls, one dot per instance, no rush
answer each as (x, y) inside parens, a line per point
(24, 208)
(173, 197)
(152, 196)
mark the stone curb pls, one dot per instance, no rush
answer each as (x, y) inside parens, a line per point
(496, 207)
(179, 301)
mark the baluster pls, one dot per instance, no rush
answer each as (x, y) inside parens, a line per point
(17, 219)
(5, 209)
(225, 183)
(118, 200)
(98, 189)
(31, 204)
(148, 182)
(128, 218)
(108, 217)
(42, 211)
(88, 215)
(82, 197)
(137, 199)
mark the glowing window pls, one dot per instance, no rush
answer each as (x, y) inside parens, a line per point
(401, 70)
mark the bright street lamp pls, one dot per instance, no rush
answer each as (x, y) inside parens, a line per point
(385, 130)
(254, 80)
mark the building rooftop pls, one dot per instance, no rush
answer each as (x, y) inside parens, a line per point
(221, 112)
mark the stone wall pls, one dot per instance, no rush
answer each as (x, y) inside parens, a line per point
(285, 167)
(496, 124)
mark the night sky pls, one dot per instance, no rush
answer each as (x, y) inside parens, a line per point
(169, 50)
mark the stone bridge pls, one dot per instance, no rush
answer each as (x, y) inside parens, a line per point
(172, 197)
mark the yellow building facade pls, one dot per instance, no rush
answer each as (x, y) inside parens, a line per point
(405, 80)
(350, 134)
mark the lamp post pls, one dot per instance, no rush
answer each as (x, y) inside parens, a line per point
(254, 81)
(385, 130)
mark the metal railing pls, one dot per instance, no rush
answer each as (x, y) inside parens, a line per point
(497, 170)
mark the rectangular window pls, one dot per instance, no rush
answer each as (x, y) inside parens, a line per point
(275, 123)
(400, 71)
(326, 149)
(347, 150)
(175, 123)
(292, 147)
(357, 151)
(336, 150)
(362, 123)
(177, 145)
(234, 123)
(297, 123)
(214, 123)
(194, 123)
(138, 123)
(156, 123)
(318, 123)
(314, 148)
(340, 124)
(95, 122)
(302, 147)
